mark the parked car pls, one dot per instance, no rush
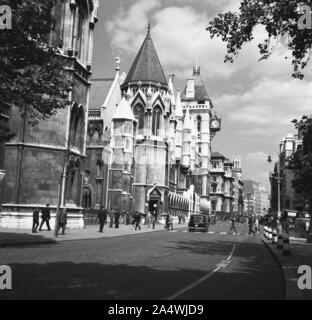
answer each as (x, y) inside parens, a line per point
(198, 223)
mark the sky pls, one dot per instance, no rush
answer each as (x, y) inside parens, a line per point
(256, 100)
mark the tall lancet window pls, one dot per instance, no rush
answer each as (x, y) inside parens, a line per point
(139, 115)
(156, 120)
(199, 124)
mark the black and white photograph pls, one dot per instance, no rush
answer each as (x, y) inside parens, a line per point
(155, 153)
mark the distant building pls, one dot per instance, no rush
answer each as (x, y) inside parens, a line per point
(289, 198)
(226, 186)
(257, 197)
(238, 186)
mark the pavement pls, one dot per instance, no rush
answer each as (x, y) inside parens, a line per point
(24, 237)
(301, 254)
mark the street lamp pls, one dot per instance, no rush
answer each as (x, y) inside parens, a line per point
(279, 213)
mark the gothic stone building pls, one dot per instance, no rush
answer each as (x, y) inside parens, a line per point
(34, 160)
(148, 147)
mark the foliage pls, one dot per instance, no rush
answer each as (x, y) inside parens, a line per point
(32, 75)
(280, 19)
(301, 161)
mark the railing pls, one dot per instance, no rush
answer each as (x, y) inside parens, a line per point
(90, 217)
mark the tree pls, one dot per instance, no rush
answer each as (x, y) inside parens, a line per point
(301, 161)
(32, 75)
(301, 164)
(281, 19)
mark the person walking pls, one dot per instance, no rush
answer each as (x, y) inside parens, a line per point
(117, 217)
(62, 222)
(111, 218)
(250, 224)
(137, 219)
(257, 228)
(233, 227)
(46, 216)
(167, 221)
(102, 218)
(149, 219)
(35, 226)
(170, 226)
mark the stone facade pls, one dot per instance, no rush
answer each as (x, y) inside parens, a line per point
(154, 157)
(35, 159)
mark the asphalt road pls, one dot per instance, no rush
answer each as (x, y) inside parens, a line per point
(162, 265)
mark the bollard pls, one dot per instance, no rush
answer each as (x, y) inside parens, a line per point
(265, 232)
(286, 247)
(280, 242)
(274, 239)
(270, 234)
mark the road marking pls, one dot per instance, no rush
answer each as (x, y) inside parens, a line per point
(222, 265)
(223, 233)
(211, 232)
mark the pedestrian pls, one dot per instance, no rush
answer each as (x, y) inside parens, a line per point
(257, 229)
(250, 224)
(35, 220)
(137, 219)
(111, 218)
(167, 222)
(170, 226)
(46, 216)
(149, 219)
(233, 227)
(180, 218)
(62, 222)
(117, 217)
(102, 219)
(153, 221)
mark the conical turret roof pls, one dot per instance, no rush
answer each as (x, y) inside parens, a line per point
(146, 66)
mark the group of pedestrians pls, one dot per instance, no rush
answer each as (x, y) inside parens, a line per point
(253, 225)
(46, 217)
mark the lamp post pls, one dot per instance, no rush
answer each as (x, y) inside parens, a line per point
(279, 179)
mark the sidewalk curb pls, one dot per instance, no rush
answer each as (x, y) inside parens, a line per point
(280, 265)
(51, 241)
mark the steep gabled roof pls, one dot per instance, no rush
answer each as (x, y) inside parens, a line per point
(99, 91)
(201, 92)
(146, 66)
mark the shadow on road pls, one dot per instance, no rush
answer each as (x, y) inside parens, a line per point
(253, 274)
(8, 239)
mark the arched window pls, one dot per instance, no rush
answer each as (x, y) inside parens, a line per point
(77, 126)
(156, 120)
(86, 198)
(199, 120)
(138, 111)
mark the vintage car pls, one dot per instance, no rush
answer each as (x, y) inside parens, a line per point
(198, 223)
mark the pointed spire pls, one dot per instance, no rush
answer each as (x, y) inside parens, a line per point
(123, 111)
(146, 66)
(149, 27)
(171, 89)
(179, 109)
(187, 121)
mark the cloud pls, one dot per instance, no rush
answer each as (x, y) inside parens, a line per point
(270, 103)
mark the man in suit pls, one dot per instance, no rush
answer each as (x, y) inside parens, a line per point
(62, 221)
(46, 216)
(102, 218)
(35, 221)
